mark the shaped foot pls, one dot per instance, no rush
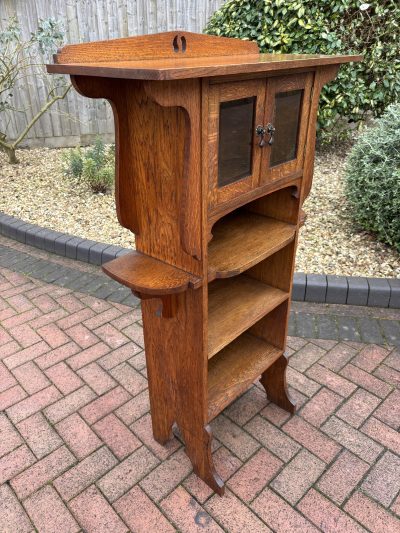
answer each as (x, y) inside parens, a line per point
(274, 383)
(198, 449)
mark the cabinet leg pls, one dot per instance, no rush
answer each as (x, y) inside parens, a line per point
(274, 383)
(162, 415)
(162, 429)
(198, 449)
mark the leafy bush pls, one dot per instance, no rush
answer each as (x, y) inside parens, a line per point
(95, 166)
(373, 178)
(327, 27)
(73, 160)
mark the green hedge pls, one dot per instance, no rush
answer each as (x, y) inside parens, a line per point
(327, 27)
(373, 178)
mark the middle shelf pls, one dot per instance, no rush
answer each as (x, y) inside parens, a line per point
(234, 305)
(242, 239)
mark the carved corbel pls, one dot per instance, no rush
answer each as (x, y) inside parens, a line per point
(114, 90)
(323, 75)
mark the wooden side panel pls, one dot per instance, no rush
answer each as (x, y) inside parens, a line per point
(186, 95)
(277, 270)
(159, 138)
(282, 204)
(273, 327)
(172, 44)
(177, 370)
(158, 185)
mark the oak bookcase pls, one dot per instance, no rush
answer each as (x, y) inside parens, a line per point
(214, 158)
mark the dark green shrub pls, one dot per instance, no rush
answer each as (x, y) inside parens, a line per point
(373, 178)
(95, 166)
(327, 27)
(73, 162)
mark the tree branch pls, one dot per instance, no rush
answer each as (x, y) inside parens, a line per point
(23, 134)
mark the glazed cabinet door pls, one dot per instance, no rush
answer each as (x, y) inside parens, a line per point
(235, 110)
(285, 125)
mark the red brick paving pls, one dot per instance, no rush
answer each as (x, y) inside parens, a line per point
(95, 514)
(78, 436)
(342, 476)
(48, 512)
(140, 513)
(370, 514)
(358, 408)
(298, 476)
(254, 475)
(327, 516)
(39, 435)
(77, 451)
(10, 438)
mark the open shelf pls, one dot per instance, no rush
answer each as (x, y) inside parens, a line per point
(235, 368)
(236, 304)
(242, 239)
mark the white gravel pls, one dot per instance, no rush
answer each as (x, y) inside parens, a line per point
(36, 191)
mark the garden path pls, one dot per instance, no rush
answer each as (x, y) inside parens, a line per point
(76, 449)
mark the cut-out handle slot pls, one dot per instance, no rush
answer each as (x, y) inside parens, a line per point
(183, 41)
(179, 44)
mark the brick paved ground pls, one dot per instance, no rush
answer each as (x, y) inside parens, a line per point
(77, 454)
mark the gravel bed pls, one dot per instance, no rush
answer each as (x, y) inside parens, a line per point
(36, 191)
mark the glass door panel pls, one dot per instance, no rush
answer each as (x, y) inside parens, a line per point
(286, 112)
(235, 110)
(236, 122)
(286, 123)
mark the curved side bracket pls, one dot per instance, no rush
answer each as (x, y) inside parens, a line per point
(323, 75)
(114, 91)
(186, 95)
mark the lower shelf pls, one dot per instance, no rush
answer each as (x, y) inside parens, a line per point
(234, 305)
(233, 370)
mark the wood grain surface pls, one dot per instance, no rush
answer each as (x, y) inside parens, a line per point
(177, 55)
(150, 276)
(235, 368)
(166, 45)
(234, 305)
(242, 239)
(205, 341)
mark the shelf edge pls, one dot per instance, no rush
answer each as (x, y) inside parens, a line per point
(149, 276)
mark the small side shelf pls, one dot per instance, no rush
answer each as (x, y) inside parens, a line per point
(242, 239)
(236, 304)
(148, 276)
(233, 370)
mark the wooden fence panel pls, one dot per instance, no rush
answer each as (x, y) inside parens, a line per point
(90, 20)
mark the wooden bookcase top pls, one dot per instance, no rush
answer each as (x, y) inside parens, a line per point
(178, 55)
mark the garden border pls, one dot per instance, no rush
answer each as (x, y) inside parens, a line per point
(317, 288)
